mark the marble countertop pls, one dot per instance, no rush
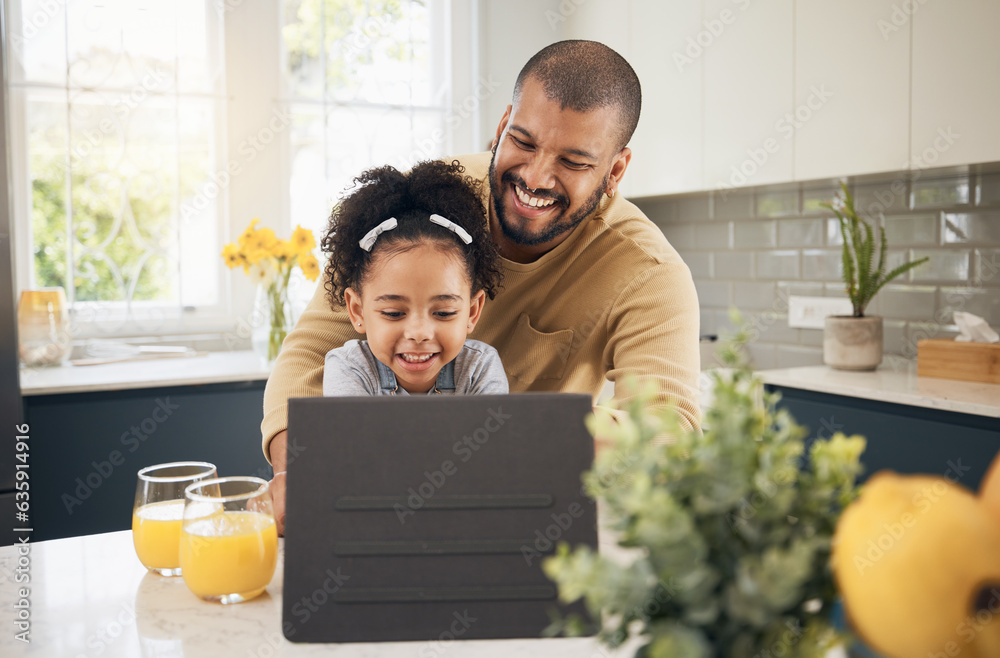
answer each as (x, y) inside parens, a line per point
(206, 368)
(90, 596)
(901, 386)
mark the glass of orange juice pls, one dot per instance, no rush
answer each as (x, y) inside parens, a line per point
(229, 541)
(158, 510)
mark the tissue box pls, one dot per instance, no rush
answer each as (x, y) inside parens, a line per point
(948, 359)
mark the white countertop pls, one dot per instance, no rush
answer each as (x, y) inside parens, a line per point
(207, 368)
(900, 386)
(90, 596)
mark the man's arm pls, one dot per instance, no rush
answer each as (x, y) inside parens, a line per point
(298, 370)
(653, 332)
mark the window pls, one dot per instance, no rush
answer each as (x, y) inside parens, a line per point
(366, 84)
(126, 115)
(116, 113)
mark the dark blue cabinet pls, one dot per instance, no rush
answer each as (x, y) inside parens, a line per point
(904, 438)
(87, 447)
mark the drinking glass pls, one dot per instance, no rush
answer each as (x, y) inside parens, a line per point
(43, 329)
(229, 541)
(158, 510)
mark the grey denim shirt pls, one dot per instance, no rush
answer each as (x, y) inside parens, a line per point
(354, 370)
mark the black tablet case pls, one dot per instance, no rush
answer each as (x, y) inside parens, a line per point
(427, 518)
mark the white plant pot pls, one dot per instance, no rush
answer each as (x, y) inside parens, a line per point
(851, 343)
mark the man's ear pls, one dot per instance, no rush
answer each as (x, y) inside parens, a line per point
(619, 163)
(476, 309)
(504, 120)
(353, 302)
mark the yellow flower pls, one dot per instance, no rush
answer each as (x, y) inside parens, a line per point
(283, 249)
(247, 234)
(302, 240)
(254, 256)
(309, 265)
(264, 256)
(262, 240)
(231, 255)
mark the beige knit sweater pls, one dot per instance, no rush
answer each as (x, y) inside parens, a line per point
(613, 298)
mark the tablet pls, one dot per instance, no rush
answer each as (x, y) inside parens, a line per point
(428, 517)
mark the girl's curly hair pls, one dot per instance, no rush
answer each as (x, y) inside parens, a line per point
(383, 192)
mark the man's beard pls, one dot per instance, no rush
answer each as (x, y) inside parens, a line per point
(560, 225)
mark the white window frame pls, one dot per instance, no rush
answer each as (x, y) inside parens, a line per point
(255, 96)
(105, 319)
(258, 94)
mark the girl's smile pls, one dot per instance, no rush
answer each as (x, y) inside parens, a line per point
(414, 362)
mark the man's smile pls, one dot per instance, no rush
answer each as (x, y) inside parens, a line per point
(530, 204)
(532, 201)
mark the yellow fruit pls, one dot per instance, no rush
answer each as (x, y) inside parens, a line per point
(917, 562)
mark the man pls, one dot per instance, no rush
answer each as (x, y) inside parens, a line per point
(592, 290)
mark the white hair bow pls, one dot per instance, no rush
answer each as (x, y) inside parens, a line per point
(368, 241)
(453, 227)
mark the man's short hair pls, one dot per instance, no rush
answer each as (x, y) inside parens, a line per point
(585, 76)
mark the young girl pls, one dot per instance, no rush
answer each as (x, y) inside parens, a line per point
(413, 262)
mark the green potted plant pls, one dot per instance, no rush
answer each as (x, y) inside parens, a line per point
(730, 533)
(854, 342)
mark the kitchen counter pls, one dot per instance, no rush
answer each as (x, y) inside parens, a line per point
(901, 386)
(90, 596)
(912, 424)
(206, 368)
(93, 427)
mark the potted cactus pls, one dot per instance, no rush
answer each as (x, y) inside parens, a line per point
(854, 342)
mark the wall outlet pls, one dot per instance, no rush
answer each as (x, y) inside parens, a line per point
(810, 312)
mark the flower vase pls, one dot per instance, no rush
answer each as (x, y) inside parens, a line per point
(272, 318)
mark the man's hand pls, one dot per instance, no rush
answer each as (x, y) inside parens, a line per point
(277, 489)
(278, 452)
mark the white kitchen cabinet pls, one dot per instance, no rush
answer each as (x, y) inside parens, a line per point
(738, 92)
(748, 92)
(513, 31)
(956, 67)
(667, 145)
(852, 92)
(607, 21)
